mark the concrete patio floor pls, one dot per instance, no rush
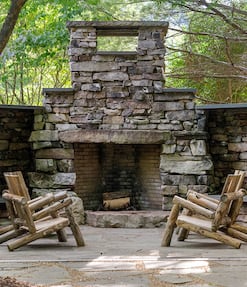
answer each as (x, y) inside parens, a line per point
(123, 257)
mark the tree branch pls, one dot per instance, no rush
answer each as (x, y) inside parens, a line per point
(199, 75)
(238, 67)
(223, 16)
(10, 21)
(234, 39)
(232, 9)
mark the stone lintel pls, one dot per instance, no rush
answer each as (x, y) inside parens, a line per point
(118, 28)
(116, 25)
(115, 136)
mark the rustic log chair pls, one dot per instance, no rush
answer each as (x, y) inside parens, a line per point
(17, 186)
(217, 223)
(232, 183)
(36, 225)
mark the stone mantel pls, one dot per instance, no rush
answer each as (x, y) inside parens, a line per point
(115, 136)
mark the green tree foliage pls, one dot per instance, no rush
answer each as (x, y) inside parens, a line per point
(207, 48)
(206, 44)
(36, 55)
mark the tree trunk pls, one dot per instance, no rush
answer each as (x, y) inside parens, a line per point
(10, 21)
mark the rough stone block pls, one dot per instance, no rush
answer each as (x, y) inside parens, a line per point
(186, 115)
(46, 165)
(65, 165)
(168, 106)
(55, 153)
(198, 147)
(180, 165)
(57, 118)
(58, 180)
(89, 66)
(168, 148)
(169, 190)
(41, 145)
(44, 135)
(111, 76)
(174, 179)
(4, 145)
(238, 147)
(77, 208)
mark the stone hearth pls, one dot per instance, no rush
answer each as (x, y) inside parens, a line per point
(126, 219)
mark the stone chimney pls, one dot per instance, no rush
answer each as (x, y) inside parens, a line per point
(118, 129)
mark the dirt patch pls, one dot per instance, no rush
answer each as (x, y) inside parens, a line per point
(12, 282)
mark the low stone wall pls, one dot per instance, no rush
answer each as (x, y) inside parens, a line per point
(16, 125)
(227, 128)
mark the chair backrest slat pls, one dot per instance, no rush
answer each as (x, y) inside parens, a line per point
(16, 184)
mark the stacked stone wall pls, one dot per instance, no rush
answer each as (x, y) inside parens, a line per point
(228, 141)
(116, 90)
(16, 125)
(118, 98)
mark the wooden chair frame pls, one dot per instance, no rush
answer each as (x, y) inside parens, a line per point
(233, 182)
(40, 207)
(35, 225)
(211, 218)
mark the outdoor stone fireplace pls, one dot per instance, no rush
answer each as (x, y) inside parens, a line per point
(117, 129)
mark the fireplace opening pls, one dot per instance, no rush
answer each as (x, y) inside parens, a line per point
(127, 175)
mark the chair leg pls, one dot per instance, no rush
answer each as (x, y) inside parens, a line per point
(228, 240)
(61, 235)
(170, 225)
(184, 233)
(75, 228)
(10, 235)
(5, 229)
(30, 237)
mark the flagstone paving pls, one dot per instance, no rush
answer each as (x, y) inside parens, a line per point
(126, 257)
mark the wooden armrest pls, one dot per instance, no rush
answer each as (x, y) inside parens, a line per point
(203, 195)
(51, 209)
(13, 197)
(47, 199)
(34, 199)
(41, 201)
(233, 195)
(195, 208)
(203, 201)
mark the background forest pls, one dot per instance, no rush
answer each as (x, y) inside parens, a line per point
(206, 45)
